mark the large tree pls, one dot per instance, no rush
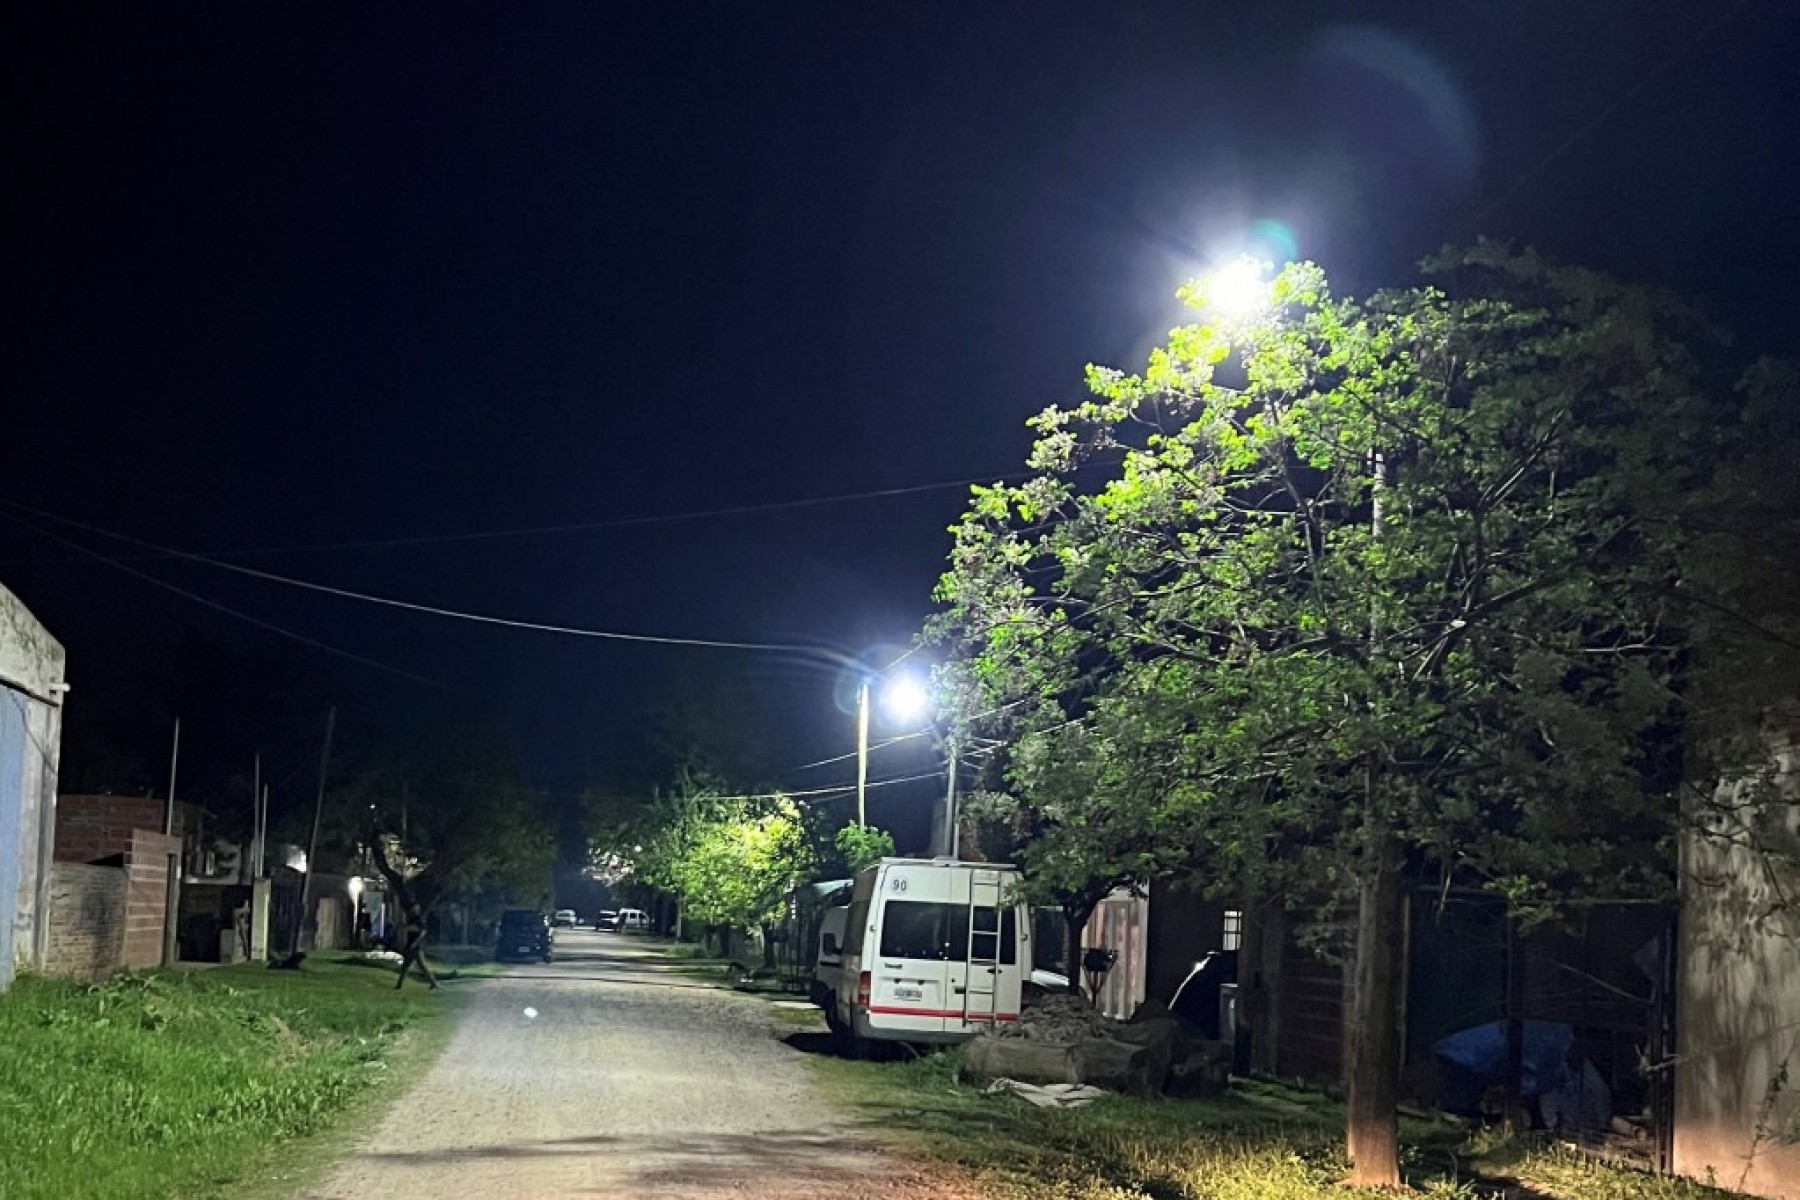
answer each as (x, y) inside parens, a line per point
(1335, 591)
(451, 818)
(741, 863)
(730, 859)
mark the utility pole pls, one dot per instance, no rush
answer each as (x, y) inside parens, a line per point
(171, 952)
(862, 754)
(253, 865)
(951, 834)
(312, 844)
(174, 760)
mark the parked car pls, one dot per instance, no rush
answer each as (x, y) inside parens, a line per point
(524, 934)
(607, 921)
(563, 918)
(632, 920)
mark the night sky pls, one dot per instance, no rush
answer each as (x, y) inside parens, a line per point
(329, 290)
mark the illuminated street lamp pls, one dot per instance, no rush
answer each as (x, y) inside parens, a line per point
(1240, 288)
(906, 702)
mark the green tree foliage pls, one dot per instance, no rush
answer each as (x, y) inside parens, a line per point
(730, 860)
(740, 865)
(860, 846)
(1353, 589)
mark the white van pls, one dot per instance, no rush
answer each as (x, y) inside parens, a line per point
(932, 950)
(631, 920)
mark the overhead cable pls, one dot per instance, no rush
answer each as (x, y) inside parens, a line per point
(413, 606)
(303, 639)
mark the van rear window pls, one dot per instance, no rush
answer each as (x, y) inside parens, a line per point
(854, 926)
(919, 929)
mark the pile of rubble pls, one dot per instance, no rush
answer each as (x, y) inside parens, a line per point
(1064, 1040)
(1063, 1017)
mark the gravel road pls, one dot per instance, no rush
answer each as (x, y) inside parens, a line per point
(631, 1080)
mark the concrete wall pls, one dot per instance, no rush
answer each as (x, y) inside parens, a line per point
(87, 920)
(31, 690)
(146, 896)
(30, 659)
(1736, 1119)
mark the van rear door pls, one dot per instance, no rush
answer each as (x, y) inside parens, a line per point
(908, 964)
(985, 976)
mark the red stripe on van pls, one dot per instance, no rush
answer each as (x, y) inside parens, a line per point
(941, 1012)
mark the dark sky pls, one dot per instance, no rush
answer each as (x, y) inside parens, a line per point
(301, 275)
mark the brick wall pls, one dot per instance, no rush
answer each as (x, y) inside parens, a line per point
(146, 898)
(89, 828)
(87, 920)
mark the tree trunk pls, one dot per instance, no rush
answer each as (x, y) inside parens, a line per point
(1372, 1019)
(1517, 1118)
(768, 941)
(1076, 912)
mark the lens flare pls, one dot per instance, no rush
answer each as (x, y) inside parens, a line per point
(1276, 239)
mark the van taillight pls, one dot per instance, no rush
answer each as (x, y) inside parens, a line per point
(863, 988)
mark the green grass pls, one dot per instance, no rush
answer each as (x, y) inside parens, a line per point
(686, 950)
(188, 1083)
(1260, 1142)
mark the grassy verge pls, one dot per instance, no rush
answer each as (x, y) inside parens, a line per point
(686, 950)
(1259, 1142)
(191, 1083)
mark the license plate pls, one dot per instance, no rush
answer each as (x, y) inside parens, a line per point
(524, 950)
(907, 991)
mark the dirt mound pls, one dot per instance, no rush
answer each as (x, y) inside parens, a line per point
(1063, 1018)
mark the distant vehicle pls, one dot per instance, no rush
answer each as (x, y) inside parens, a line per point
(929, 950)
(563, 918)
(524, 934)
(632, 920)
(607, 921)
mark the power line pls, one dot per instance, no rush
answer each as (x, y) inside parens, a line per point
(826, 762)
(218, 607)
(808, 796)
(614, 522)
(405, 605)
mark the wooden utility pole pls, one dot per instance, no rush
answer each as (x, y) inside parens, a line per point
(312, 843)
(174, 760)
(253, 867)
(171, 953)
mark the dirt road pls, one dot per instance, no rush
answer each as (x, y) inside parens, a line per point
(630, 1080)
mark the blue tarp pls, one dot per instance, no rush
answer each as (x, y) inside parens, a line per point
(1477, 1061)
